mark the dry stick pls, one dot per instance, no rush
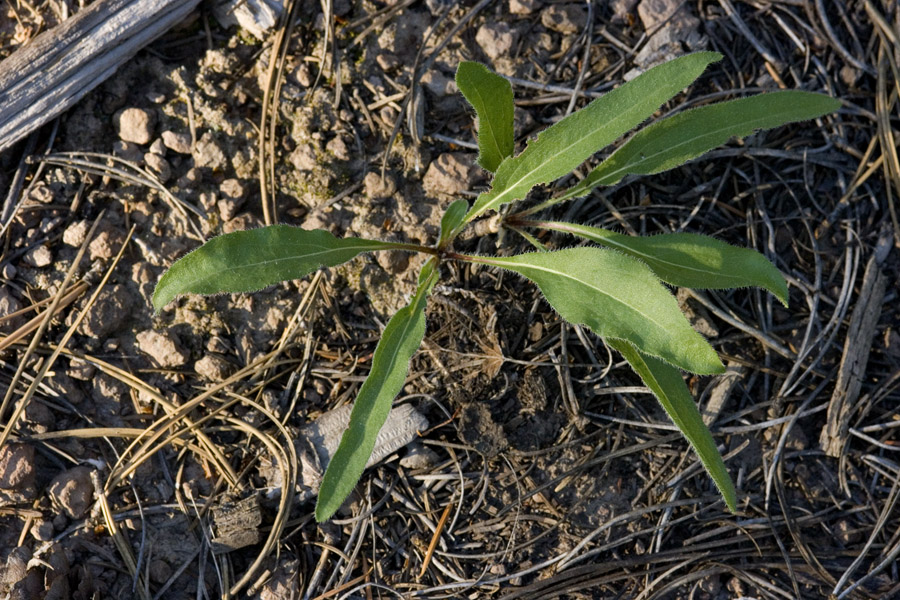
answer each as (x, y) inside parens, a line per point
(57, 68)
(857, 347)
(271, 96)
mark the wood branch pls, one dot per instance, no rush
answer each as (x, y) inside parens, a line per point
(857, 347)
(57, 68)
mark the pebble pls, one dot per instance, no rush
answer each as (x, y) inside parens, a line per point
(393, 262)
(135, 125)
(377, 188)
(449, 174)
(439, 84)
(656, 14)
(106, 244)
(304, 157)
(8, 305)
(109, 313)
(41, 193)
(564, 18)
(72, 492)
(163, 347)
(75, 233)
(128, 151)
(39, 256)
(160, 165)
(177, 142)
(338, 148)
(208, 153)
(16, 466)
(213, 368)
(42, 530)
(496, 39)
(158, 147)
(523, 7)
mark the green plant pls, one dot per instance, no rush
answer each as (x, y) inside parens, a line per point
(615, 288)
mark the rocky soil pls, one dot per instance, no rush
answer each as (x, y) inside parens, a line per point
(142, 458)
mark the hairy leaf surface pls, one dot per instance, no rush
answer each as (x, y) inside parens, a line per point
(390, 363)
(690, 260)
(674, 141)
(668, 386)
(566, 144)
(616, 296)
(246, 261)
(492, 98)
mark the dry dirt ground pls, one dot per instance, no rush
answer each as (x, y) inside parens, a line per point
(547, 471)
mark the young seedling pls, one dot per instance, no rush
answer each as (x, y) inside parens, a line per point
(616, 287)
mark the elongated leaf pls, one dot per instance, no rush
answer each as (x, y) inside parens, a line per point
(246, 261)
(390, 363)
(453, 216)
(690, 260)
(492, 98)
(616, 296)
(566, 144)
(668, 386)
(680, 138)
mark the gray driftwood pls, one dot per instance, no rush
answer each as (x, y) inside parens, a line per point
(857, 347)
(57, 68)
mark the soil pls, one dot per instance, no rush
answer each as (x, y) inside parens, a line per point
(548, 470)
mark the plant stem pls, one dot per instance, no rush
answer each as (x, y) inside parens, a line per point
(414, 248)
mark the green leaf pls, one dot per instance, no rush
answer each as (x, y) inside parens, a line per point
(690, 260)
(452, 218)
(246, 261)
(673, 141)
(492, 98)
(616, 296)
(566, 144)
(390, 363)
(668, 386)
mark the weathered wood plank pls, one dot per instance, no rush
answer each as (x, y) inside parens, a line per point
(57, 68)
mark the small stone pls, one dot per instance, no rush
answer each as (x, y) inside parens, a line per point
(75, 233)
(109, 313)
(228, 207)
(657, 14)
(160, 165)
(304, 157)
(135, 125)
(39, 416)
(213, 367)
(621, 9)
(419, 457)
(39, 256)
(439, 84)
(72, 492)
(233, 188)
(42, 530)
(523, 7)
(207, 153)
(393, 262)
(496, 39)
(128, 151)
(8, 305)
(338, 148)
(9, 271)
(41, 193)
(158, 147)
(242, 222)
(387, 61)
(177, 142)
(564, 18)
(106, 244)
(160, 571)
(303, 75)
(378, 188)
(449, 174)
(16, 466)
(163, 347)
(155, 97)
(190, 179)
